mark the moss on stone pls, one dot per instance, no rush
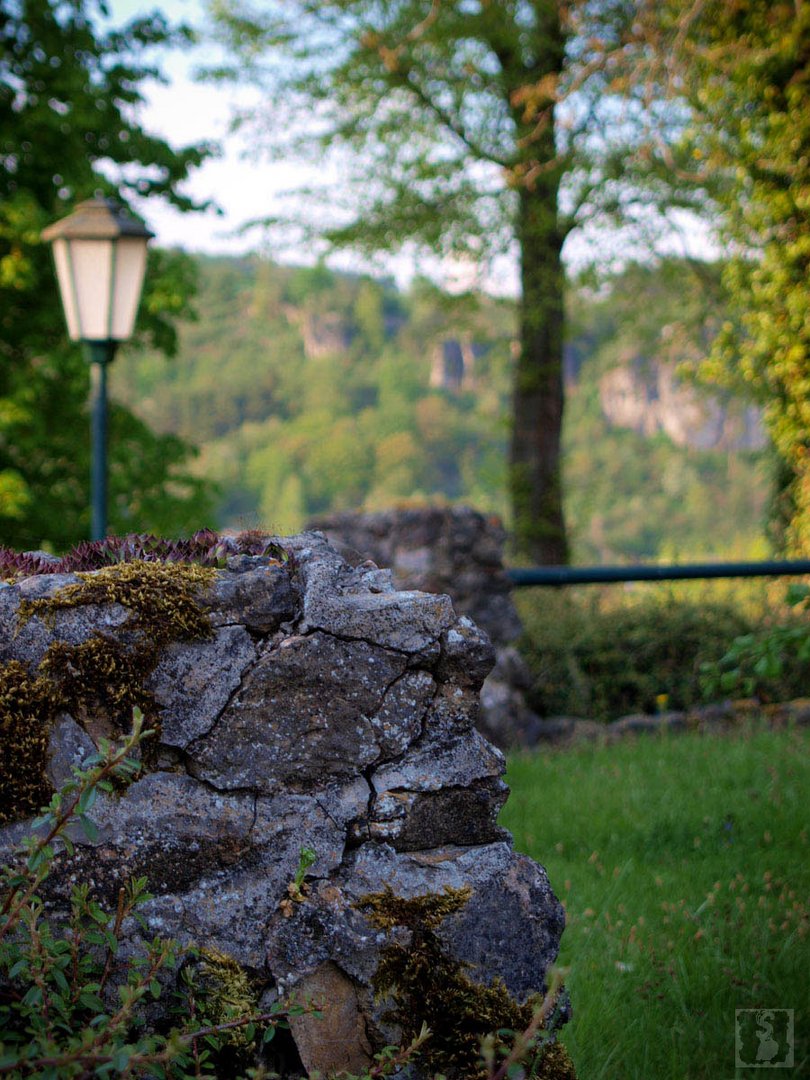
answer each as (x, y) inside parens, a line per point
(163, 596)
(101, 678)
(105, 676)
(226, 993)
(428, 986)
(26, 714)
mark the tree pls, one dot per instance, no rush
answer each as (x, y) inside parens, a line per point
(68, 100)
(454, 127)
(734, 83)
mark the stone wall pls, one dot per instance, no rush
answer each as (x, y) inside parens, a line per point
(457, 551)
(318, 708)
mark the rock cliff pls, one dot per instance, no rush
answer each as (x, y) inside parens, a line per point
(650, 398)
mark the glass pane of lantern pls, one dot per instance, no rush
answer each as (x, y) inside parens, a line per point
(92, 270)
(64, 272)
(130, 264)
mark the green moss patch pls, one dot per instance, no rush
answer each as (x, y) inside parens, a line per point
(102, 678)
(26, 707)
(428, 986)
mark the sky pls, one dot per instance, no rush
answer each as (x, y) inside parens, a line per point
(245, 187)
(187, 111)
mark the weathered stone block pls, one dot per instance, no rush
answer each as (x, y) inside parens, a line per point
(325, 711)
(303, 713)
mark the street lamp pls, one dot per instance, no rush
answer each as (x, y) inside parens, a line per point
(100, 257)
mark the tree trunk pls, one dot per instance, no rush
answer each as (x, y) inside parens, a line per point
(537, 407)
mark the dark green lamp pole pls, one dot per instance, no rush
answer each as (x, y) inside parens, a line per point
(100, 257)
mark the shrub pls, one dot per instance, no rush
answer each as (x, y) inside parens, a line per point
(771, 664)
(605, 664)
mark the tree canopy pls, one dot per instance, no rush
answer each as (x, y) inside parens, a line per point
(453, 126)
(732, 127)
(69, 96)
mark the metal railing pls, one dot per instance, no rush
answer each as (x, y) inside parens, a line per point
(600, 575)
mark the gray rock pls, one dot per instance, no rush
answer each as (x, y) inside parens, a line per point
(640, 723)
(453, 550)
(468, 655)
(565, 730)
(229, 909)
(443, 792)
(260, 600)
(454, 709)
(167, 827)
(28, 640)
(69, 747)
(194, 681)
(438, 762)
(303, 713)
(326, 712)
(410, 622)
(402, 713)
(509, 892)
(457, 551)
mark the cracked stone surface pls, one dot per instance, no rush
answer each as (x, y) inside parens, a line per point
(259, 599)
(303, 713)
(194, 681)
(327, 711)
(458, 551)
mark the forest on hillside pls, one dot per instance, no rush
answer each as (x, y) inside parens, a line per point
(308, 390)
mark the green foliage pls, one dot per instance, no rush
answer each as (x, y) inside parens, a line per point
(287, 435)
(769, 664)
(762, 147)
(69, 94)
(683, 866)
(427, 987)
(68, 1006)
(732, 82)
(290, 431)
(452, 133)
(603, 664)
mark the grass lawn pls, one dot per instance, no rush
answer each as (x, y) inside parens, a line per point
(684, 867)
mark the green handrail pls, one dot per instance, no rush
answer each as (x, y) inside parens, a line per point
(599, 575)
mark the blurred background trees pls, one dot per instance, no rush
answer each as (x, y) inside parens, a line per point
(730, 124)
(68, 128)
(467, 129)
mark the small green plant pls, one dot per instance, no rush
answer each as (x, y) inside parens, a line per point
(756, 663)
(297, 889)
(66, 1008)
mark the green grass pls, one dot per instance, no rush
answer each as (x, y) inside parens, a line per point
(684, 867)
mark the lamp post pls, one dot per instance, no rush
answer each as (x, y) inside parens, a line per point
(100, 257)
